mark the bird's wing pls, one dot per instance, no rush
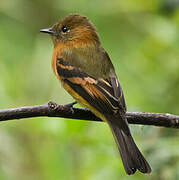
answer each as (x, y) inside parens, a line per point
(104, 95)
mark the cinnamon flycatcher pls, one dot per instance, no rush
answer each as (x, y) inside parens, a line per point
(87, 73)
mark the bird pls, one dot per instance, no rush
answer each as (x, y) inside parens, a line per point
(86, 72)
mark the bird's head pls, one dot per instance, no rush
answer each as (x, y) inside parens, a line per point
(73, 30)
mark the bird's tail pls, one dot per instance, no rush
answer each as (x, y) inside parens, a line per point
(131, 157)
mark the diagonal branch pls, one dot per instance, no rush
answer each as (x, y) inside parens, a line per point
(52, 109)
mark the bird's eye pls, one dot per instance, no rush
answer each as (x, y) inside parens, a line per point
(64, 29)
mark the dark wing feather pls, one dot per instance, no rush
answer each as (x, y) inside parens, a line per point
(118, 93)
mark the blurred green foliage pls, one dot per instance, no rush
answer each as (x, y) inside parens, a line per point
(142, 39)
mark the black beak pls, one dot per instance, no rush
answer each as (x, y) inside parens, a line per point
(49, 31)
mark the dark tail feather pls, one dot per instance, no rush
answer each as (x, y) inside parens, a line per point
(131, 156)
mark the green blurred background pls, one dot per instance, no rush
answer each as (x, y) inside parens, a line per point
(142, 39)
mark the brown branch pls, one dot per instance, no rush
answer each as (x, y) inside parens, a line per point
(52, 109)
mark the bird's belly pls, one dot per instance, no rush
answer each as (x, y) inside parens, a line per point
(82, 101)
